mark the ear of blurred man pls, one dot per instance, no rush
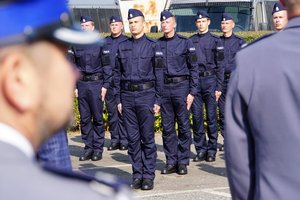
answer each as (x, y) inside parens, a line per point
(18, 80)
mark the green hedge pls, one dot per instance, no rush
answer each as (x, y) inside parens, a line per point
(248, 36)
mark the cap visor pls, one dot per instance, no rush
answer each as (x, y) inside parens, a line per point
(77, 37)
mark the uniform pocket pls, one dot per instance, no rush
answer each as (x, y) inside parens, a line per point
(145, 65)
(180, 59)
(209, 54)
(125, 67)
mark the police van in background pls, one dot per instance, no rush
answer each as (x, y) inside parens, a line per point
(249, 15)
(100, 11)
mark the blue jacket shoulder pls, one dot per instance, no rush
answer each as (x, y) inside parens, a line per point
(239, 37)
(215, 36)
(193, 36)
(125, 40)
(182, 37)
(150, 39)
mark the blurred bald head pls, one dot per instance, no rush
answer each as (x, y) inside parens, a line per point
(292, 7)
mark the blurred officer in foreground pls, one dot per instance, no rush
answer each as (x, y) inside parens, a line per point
(139, 85)
(210, 53)
(180, 87)
(262, 128)
(232, 43)
(115, 119)
(279, 15)
(93, 62)
(36, 97)
(55, 152)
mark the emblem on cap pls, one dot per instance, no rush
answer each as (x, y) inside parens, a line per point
(164, 17)
(83, 20)
(224, 19)
(200, 16)
(277, 9)
(131, 15)
(113, 20)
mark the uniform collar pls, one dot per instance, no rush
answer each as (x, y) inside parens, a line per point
(13, 137)
(232, 35)
(114, 38)
(139, 39)
(171, 38)
(204, 34)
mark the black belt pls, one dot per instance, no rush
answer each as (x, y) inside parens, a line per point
(130, 86)
(176, 79)
(91, 77)
(207, 73)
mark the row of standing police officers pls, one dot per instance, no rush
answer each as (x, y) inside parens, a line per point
(139, 77)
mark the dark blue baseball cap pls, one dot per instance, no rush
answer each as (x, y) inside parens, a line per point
(114, 19)
(132, 13)
(277, 7)
(86, 18)
(226, 16)
(165, 15)
(27, 21)
(202, 14)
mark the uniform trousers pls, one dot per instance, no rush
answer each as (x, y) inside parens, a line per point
(139, 123)
(205, 96)
(221, 104)
(174, 109)
(115, 120)
(91, 115)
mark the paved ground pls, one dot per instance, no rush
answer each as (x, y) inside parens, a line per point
(204, 180)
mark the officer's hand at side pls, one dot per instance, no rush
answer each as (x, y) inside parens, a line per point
(218, 94)
(189, 101)
(120, 108)
(103, 93)
(156, 109)
(76, 93)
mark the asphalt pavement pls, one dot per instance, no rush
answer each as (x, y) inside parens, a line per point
(204, 181)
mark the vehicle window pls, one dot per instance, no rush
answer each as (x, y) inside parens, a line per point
(185, 15)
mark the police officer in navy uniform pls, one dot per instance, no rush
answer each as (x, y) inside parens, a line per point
(279, 16)
(93, 63)
(55, 152)
(262, 116)
(36, 101)
(210, 53)
(232, 43)
(180, 87)
(139, 82)
(115, 119)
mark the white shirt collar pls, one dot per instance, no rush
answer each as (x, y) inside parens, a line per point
(11, 136)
